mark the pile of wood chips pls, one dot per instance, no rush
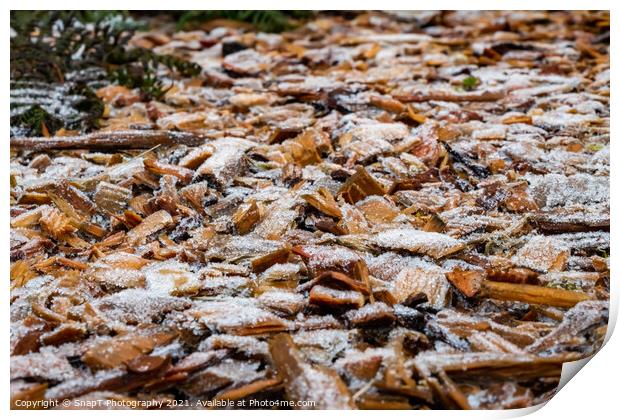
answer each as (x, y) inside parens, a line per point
(385, 211)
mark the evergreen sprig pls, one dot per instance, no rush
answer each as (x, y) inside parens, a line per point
(81, 50)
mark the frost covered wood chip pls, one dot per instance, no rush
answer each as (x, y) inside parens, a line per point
(434, 244)
(113, 352)
(428, 280)
(323, 201)
(152, 224)
(325, 296)
(360, 185)
(227, 161)
(239, 316)
(542, 253)
(304, 382)
(468, 282)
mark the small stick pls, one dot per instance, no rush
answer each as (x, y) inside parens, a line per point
(479, 96)
(129, 139)
(532, 294)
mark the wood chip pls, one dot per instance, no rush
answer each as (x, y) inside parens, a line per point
(56, 223)
(468, 282)
(150, 225)
(246, 217)
(303, 382)
(434, 244)
(323, 201)
(427, 280)
(359, 186)
(324, 296)
(119, 350)
(183, 174)
(111, 198)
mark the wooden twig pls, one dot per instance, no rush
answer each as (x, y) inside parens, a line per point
(491, 365)
(532, 294)
(129, 139)
(477, 96)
